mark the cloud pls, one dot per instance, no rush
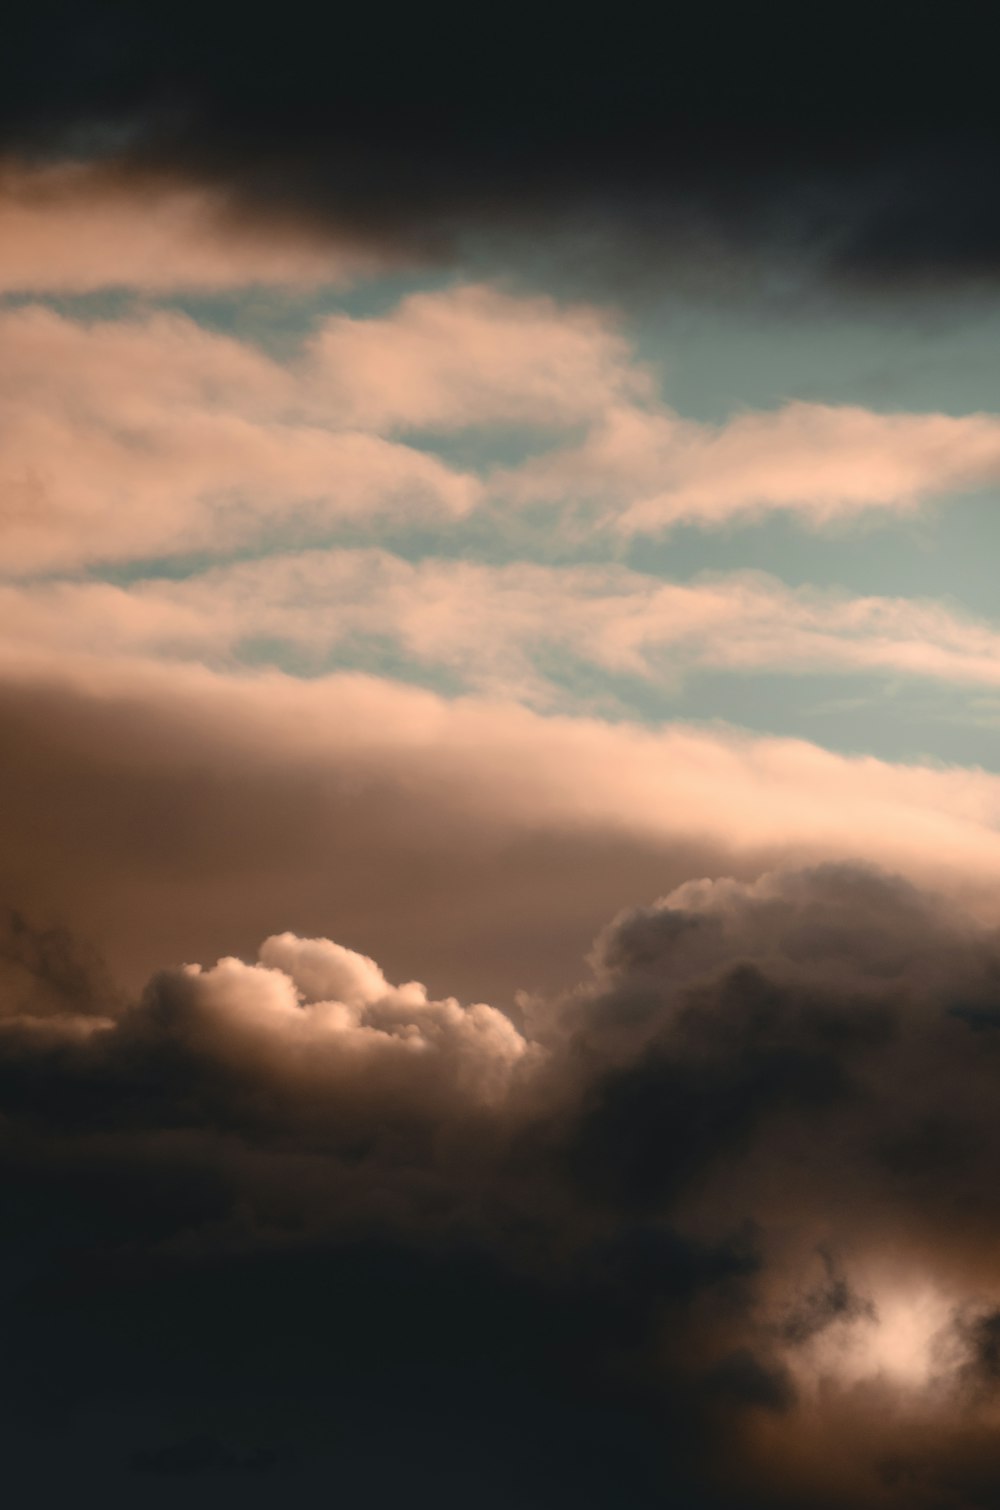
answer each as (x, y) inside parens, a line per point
(151, 436)
(327, 1168)
(650, 470)
(320, 1018)
(735, 1186)
(681, 151)
(171, 812)
(73, 228)
(771, 1048)
(474, 355)
(496, 630)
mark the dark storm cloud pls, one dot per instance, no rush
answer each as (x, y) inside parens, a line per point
(45, 973)
(649, 1249)
(861, 139)
(199, 1455)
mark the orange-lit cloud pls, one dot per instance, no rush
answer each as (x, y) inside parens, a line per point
(474, 843)
(474, 355)
(72, 228)
(649, 469)
(494, 628)
(153, 435)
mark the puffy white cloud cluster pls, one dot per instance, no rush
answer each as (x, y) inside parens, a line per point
(322, 1020)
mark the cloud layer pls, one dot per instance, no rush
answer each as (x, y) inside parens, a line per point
(155, 436)
(679, 149)
(468, 1096)
(72, 228)
(737, 1184)
(167, 811)
(504, 631)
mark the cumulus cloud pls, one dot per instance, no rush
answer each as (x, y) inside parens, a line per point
(321, 1017)
(743, 1169)
(812, 1054)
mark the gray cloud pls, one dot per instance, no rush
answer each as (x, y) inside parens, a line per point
(735, 1188)
(171, 814)
(693, 143)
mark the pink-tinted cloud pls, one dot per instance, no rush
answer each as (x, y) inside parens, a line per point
(321, 1017)
(495, 628)
(150, 436)
(474, 355)
(132, 438)
(648, 469)
(73, 228)
(174, 813)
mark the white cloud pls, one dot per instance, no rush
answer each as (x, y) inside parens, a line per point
(324, 1030)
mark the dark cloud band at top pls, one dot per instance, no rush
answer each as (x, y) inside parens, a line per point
(863, 141)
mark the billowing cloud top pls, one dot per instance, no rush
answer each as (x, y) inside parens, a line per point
(744, 1169)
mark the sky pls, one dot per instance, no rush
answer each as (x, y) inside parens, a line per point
(499, 758)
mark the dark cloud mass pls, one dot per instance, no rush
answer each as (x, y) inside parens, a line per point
(721, 1208)
(861, 139)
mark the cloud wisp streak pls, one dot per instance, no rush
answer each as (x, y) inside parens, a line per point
(153, 435)
(651, 470)
(500, 631)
